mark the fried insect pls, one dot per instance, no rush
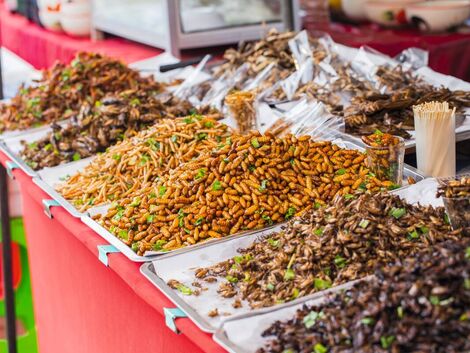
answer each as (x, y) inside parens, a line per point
(60, 92)
(131, 165)
(331, 246)
(102, 125)
(249, 182)
(421, 304)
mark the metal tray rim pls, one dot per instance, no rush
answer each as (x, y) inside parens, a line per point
(19, 161)
(57, 197)
(220, 337)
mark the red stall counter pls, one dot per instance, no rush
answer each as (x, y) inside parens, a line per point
(82, 305)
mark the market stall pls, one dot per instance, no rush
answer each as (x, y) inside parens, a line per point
(166, 212)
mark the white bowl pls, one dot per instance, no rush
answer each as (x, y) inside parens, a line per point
(437, 16)
(75, 8)
(76, 26)
(388, 12)
(354, 9)
(50, 19)
(44, 4)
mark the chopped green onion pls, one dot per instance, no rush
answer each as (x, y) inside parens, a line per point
(386, 341)
(201, 136)
(321, 284)
(311, 318)
(397, 212)
(413, 235)
(340, 261)
(231, 279)
(290, 212)
(319, 348)
(273, 243)
(135, 202)
(364, 223)
(159, 244)
(200, 174)
(255, 143)
(400, 312)
(289, 275)
(263, 185)
(134, 102)
(184, 290)
(216, 185)
(267, 219)
(368, 321)
(123, 234)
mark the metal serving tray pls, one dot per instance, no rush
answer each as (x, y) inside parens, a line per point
(10, 144)
(181, 266)
(243, 333)
(149, 255)
(48, 178)
(197, 309)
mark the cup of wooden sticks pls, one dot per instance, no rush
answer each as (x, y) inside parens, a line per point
(435, 138)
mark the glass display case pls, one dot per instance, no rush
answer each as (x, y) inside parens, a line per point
(182, 24)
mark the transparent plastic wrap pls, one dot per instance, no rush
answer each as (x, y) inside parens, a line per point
(259, 80)
(308, 118)
(287, 89)
(300, 48)
(413, 58)
(220, 87)
(184, 91)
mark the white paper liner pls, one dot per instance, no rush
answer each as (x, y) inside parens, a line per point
(243, 334)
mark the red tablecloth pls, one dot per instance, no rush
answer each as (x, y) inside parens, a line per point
(449, 53)
(41, 48)
(83, 306)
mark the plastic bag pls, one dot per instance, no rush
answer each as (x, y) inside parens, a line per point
(184, 90)
(215, 96)
(308, 118)
(413, 58)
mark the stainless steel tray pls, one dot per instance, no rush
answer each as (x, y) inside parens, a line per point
(203, 321)
(51, 175)
(48, 178)
(243, 333)
(150, 255)
(181, 266)
(10, 144)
